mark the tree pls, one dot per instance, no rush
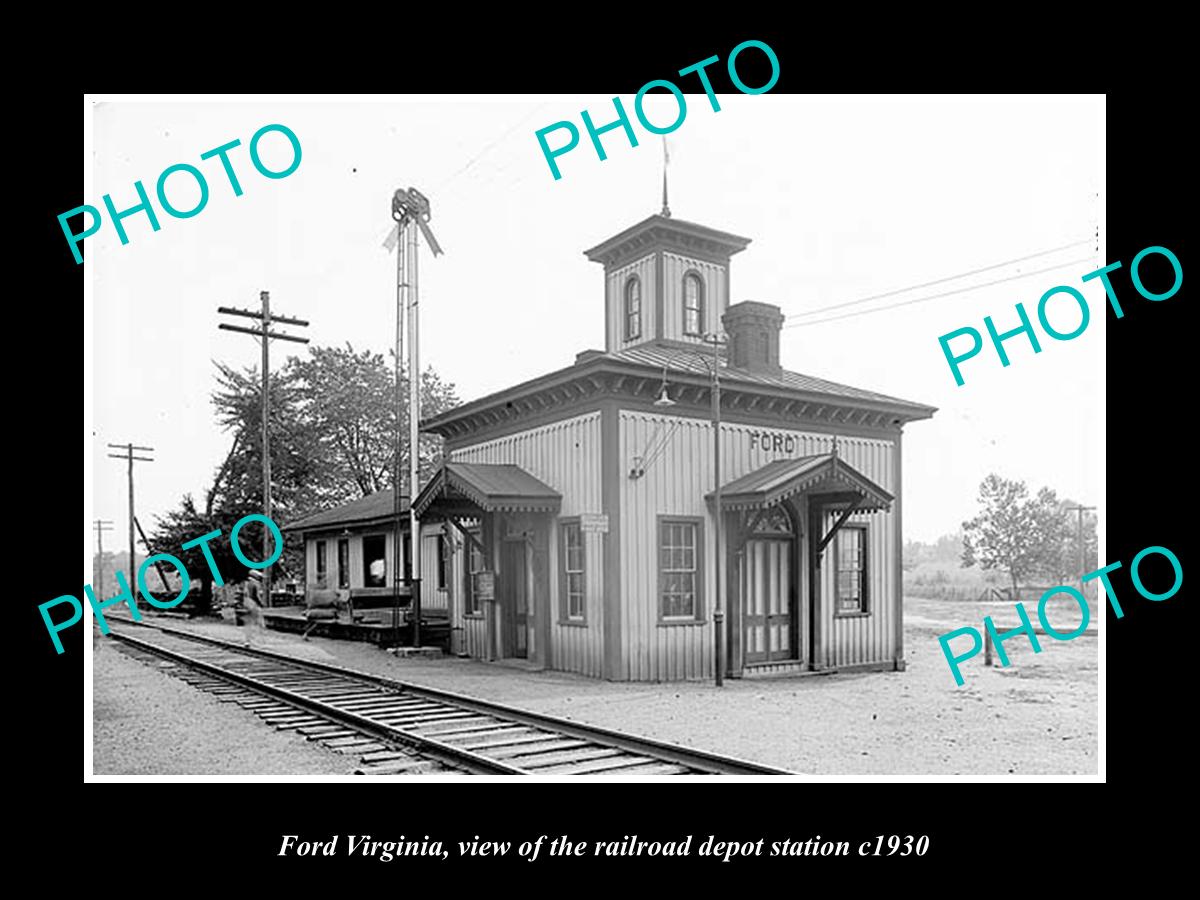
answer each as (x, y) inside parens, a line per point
(347, 399)
(332, 422)
(1021, 535)
(186, 523)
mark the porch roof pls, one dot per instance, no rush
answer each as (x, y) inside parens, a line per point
(783, 478)
(490, 487)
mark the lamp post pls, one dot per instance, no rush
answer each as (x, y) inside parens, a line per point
(664, 400)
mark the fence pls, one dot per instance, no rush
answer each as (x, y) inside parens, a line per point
(1031, 593)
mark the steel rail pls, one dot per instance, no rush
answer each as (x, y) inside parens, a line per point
(433, 749)
(702, 760)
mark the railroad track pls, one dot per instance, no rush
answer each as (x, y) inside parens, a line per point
(397, 728)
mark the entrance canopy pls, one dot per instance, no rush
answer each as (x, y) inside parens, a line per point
(782, 478)
(482, 487)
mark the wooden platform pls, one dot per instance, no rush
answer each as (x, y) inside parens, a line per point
(435, 631)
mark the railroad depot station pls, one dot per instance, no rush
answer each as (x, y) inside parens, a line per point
(572, 522)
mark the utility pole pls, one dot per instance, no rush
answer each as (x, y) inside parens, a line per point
(162, 576)
(1079, 535)
(664, 401)
(264, 334)
(719, 514)
(101, 525)
(130, 458)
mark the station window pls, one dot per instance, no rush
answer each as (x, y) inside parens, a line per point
(679, 568)
(852, 569)
(693, 304)
(633, 308)
(442, 561)
(375, 560)
(574, 596)
(343, 562)
(321, 569)
(471, 604)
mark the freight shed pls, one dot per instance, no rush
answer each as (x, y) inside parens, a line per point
(350, 549)
(573, 516)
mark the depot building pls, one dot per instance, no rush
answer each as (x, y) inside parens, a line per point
(572, 522)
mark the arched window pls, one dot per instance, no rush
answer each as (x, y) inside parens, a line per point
(633, 308)
(774, 521)
(693, 304)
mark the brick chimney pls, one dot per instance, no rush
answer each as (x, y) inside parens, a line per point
(753, 330)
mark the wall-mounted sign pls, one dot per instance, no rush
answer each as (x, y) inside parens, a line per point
(774, 443)
(595, 523)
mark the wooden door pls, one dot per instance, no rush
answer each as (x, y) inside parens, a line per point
(513, 595)
(768, 589)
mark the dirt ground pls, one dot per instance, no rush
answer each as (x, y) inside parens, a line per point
(148, 723)
(1036, 717)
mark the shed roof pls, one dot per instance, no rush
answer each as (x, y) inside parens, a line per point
(366, 510)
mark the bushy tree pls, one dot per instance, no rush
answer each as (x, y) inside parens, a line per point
(332, 422)
(1021, 535)
(348, 400)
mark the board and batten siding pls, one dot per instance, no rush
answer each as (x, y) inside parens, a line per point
(714, 278)
(675, 484)
(857, 640)
(566, 456)
(615, 326)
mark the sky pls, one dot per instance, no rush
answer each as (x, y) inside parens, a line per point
(843, 198)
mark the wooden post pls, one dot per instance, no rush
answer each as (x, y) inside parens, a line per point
(490, 564)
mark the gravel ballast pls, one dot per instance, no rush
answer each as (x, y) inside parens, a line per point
(149, 723)
(1036, 717)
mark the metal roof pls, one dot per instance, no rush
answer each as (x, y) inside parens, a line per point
(491, 487)
(371, 508)
(675, 361)
(731, 243)
(783, 478)
(684, 359)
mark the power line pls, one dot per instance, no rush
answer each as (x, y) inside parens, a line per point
(864, 312)
(1009, 262)
(474, 159)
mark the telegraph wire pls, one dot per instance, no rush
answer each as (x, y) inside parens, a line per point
(1009, 262)
(972, 287)
(474, 159)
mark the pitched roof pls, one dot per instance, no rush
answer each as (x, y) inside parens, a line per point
(669, 356)
(727, 242)
(648, 360)
(375, 507)
(490, 487)
(782, 478)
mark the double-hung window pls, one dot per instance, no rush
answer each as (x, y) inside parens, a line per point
(852, 570)
(574, 596)
(679, 570)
